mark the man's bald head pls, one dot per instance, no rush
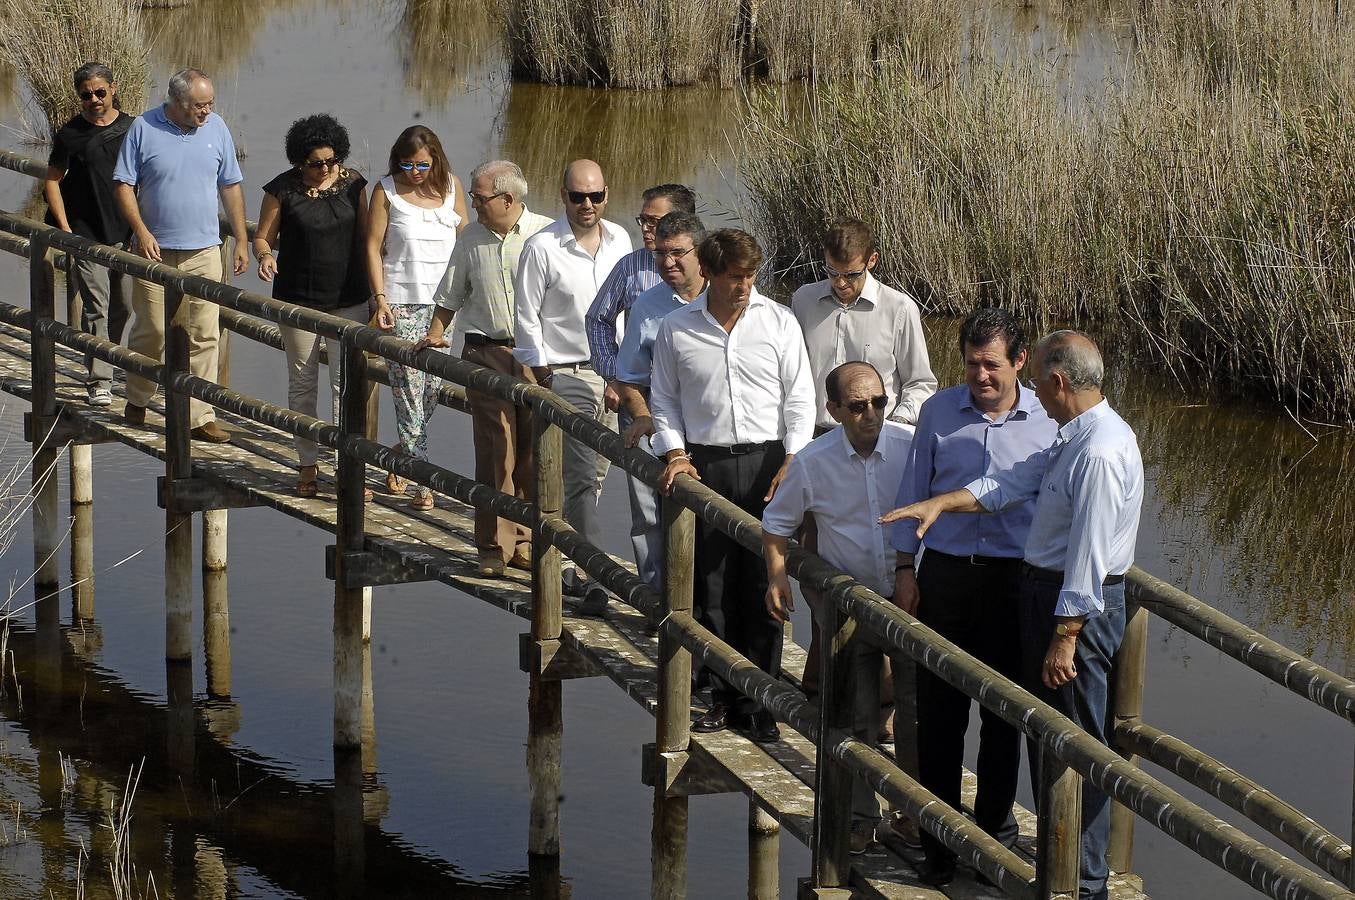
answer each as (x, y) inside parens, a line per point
(835, 385)
(583, 175)
(1075, 356)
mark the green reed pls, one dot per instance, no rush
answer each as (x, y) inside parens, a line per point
(1195, 202)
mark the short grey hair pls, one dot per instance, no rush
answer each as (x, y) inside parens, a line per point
(508, 177)
(92, 70)
(1078, 360)
(180, 83)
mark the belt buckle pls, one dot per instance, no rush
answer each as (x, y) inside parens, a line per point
(976, 560)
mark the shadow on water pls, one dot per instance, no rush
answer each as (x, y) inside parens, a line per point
(205, 814)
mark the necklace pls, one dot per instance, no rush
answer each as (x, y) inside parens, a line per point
(330, 191)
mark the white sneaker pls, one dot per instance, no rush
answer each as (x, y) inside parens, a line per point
(100, 396)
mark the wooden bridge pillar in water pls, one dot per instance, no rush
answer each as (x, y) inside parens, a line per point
(544, 694)
(178, 465)
(833, 794)
(350, 539)
(1131, 663)
(43, 427)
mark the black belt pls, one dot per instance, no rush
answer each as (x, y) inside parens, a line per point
(1054, 576)
(480, 340)
(735, 449)
(975, 559)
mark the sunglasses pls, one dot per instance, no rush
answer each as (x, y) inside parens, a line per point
(90, 95)
(577, 197)
(834, 274)
(318, 164)
(857, 407)
(674, 255)
(411, 166)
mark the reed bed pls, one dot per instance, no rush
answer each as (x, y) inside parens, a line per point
(1195, 203)
(45, 41)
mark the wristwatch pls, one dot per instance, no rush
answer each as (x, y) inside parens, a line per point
(1064, 629)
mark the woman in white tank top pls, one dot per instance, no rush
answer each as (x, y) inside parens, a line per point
(415, 217)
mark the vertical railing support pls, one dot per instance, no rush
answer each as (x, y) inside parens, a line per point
(668, 854)
(349, 538)
(82, 474)
(833, 796)
(1131, 665)
(214, 539)
(46, 502)
(544, 715)
(178, 464)
(764, 850)
(1059, 830)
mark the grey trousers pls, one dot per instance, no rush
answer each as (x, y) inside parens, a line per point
(103, 312)
(303, 374)
(646, 532)
(584, 470)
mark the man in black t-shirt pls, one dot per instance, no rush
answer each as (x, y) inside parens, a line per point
(79, 194)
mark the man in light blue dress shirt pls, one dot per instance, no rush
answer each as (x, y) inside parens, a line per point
(1089, 490)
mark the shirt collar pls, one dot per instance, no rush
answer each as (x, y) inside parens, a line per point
(1084, 422)
(870, 292)
(567, 238)
(1026, 401)
(699, 304)
(880, 442)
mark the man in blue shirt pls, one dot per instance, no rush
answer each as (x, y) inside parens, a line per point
(1089, 492)
(966, 585)
(675, 241)
(174, 162)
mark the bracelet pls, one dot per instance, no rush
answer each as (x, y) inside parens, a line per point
(683, 455)
(260, 254)
(377, 294)
(909, 566)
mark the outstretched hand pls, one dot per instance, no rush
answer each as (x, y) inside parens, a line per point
(925, 512)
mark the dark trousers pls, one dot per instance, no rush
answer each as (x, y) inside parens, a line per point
(1085, 700)
(975, 606)
(731, 582)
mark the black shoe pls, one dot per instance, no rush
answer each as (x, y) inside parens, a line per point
(762, 728)
(714, 719)
(936, 872)
(594, 602)
(573, 583)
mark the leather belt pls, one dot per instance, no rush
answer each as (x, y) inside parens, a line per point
(480, 340)
(1054, 576)
(734, 449)
(974, 559)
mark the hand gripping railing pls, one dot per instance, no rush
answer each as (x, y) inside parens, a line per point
(1069, 754)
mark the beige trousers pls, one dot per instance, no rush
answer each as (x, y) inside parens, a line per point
(200, 317)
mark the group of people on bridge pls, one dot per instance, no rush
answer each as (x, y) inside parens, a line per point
(1002, 514)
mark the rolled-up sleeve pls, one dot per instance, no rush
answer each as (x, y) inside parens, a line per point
(665, 397)
(1098, 502)
(798, 409)
(529, 290)
(786, 512)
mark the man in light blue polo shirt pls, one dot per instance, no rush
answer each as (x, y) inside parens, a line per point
(175, 161)
(675, 240)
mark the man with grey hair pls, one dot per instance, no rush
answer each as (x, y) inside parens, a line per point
(478, 284)
(174, 162)
(1088, 490)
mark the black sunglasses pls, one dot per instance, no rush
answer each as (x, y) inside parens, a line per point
(90, 95)
(318, 164)
(857, 407)
(577, 197)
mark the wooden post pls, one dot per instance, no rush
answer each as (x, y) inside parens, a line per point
(349, 538)
(1058, 831)
(668, 854)
(216, 633)
(46, 513)
(350, 845)
(214, 526)
(74, 307)
(1131, 664)
(833, 797)
(764, 849)
(82, 565)
(544, 716)
(180, 722)
(82, 474)
(178, 464)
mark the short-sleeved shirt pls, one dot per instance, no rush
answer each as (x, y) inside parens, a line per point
(87, 154)
(321, 258)
(177, 174)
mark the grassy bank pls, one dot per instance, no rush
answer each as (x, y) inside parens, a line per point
(1196, 200)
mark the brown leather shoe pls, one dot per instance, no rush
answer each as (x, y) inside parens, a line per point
(134, 415)
(522, 558)
(212, 433)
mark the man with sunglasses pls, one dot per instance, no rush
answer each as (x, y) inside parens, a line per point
(843, 481)
(177, 159)
(966, 584)
(79, 194)
(562, 268)
(733, 403)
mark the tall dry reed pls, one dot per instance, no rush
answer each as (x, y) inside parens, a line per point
(45, 41)
(1197, 202)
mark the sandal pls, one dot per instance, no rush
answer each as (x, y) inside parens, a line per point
(422, 500)
(396, 484)
(367, 495)
(306, 487)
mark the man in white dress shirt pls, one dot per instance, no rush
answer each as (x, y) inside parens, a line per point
(1089, 489)
(732, 402)
(561, 269)
(843, 481)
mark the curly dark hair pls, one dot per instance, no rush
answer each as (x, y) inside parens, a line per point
(316, 131)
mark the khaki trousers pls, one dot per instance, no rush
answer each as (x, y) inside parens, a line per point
(200, 317)
(503, 452)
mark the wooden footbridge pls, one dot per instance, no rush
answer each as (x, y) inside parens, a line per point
(648, 640)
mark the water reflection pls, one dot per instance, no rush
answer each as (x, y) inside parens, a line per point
(447, 42)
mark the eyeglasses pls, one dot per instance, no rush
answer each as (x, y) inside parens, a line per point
(411, 166)
(477, 199)
(206, 106)
(858, 407)
(90, 95)
(647, 221)
(577, 197)
(674, 255)
(835, 275)
(318, 164)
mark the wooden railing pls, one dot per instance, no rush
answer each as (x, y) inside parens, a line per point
(1068, 756)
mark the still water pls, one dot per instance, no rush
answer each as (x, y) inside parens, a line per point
(1246, 508)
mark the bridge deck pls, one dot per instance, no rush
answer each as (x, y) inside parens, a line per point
(439, 545)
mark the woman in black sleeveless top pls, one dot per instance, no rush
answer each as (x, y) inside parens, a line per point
(314, 215)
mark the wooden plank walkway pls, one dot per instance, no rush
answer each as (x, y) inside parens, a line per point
(439, 544)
